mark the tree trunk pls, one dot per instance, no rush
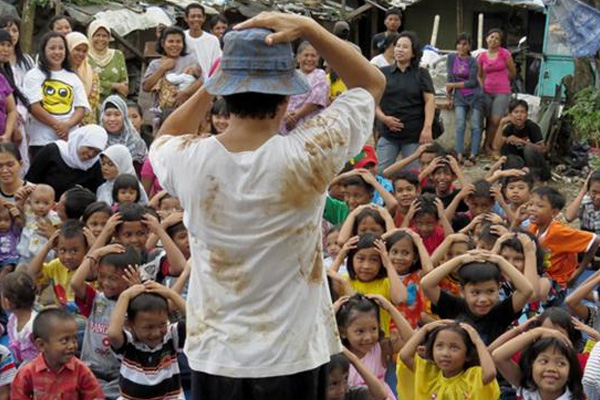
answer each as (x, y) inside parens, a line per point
(27, 24)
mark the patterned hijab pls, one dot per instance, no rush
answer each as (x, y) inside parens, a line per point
(128, 137)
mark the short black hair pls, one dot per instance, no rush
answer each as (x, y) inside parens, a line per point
(216, 19)
(595, 177)
(368, 213)
(527, 178)
(97, 206)
(416, 48)
(192, 6)
(554, 197)
(72, 228)
(515, 244)
(57, 18)
(356, 180)
(126, 181)
(145, 302)
(531, 354)
(121, 260)
(43, 322)
(365, 241)
(76, 201)
(514, 103)
(513, 161)
(486, 235)
(174, 229)
(478, 272)
(427, 206)
(407, 176)
(170, 30)
(435, 148)
(253, 105)
(390, 40)
(19, 289)
(394, 11)
(338, 361)
(131, 213)
(482, 189)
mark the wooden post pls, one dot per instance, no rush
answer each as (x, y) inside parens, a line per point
(27, 23)
(460, 14)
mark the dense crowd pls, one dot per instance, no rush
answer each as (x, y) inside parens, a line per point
(287, 227)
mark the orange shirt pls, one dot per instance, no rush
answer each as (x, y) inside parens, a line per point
(563, 243)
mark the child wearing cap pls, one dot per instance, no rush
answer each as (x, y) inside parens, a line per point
(367, 159)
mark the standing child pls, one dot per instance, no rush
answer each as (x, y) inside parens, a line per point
(148, 350)
(563, 242)
(371, 272)
(548, 368)
(115, 160)
(55, 373)
(426, 217)
(113, 264)
(10, 232)
(37, 204)
(358, 323)
(446, 360)
(479, 275)
(338, 388)
(18, 296)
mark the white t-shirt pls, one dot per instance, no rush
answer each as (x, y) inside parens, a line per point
(380, 61)
(258, 303)
(206, 47)
(59, 96)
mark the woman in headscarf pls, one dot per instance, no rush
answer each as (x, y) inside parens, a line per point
(65, 164)
(116, 160)
(79, 47)
(113, 117)
(108, 63)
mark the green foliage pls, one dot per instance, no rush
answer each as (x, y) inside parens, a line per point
(585, 115)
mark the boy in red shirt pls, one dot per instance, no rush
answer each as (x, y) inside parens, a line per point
(563, 242)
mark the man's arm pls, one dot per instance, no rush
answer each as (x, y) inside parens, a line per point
(187, 117)
(352, 68)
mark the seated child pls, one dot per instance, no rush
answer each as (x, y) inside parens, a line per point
(367, 159)
(453, 246)
(338, 370)
(586, 205)
(426, 217)
(127, 190)
(8, 370)
(112, 263)
(446, 360)
(167, 205)
(331, 246)
(563, 242)
(71, 246)
(10, 232)
(406, 190)
(116, 160)
(96, 216)
(425, 154)
(518, 190)
(148, 349)
(479, 198)
(585, 301)
(479, 275)
(442, 172)
(73, 203)
(37, 205)
(18, 296)
(55, 373)
(363, 219)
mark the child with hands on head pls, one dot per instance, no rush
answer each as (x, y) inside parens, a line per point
(37, 203)
(585, 301)
(150, 344)
(360, 330)
(548, 368)
(446, 359)
(367, 160)
(425, 154)
(479, 198)
(454, 245)
(426, 217)
(338, 370)
(367, 218)
(55, 372)
(371, 272)
(406, 190)
(586, 205)
(96, 216)
(115, 269)
(479, 273)
(442, 171)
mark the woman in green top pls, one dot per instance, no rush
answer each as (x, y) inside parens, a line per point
(108, 63)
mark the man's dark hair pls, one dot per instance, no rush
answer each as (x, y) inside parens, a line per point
(427, 206)
(514, 103)
(44, 319)
(19, 289)
(478, 272)
(131, 213)
(407, 176)
(72, 228)
(121, 260)
(555, 198)
(527, 178)
(356, 180)
(595, 177)
(146, 302)
(76, 201)
(192, 6)
(482, 189)
(389, 40)
(253, 105)
(394, 11)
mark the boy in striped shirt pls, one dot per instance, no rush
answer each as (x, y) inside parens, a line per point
(149, 349)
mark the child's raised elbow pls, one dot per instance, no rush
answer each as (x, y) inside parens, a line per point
(488, 376)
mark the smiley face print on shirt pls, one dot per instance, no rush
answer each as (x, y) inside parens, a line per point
(57, 97)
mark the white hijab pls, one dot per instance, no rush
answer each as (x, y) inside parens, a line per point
(120, 156)
(89, 135)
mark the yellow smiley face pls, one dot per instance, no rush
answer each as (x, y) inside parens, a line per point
(57, 97)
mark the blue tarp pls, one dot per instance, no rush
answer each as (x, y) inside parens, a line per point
(581, 25)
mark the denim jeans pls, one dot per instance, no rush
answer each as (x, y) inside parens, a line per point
(461, 126)
(388, 150)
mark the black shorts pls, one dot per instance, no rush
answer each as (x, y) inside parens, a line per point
(306, 385)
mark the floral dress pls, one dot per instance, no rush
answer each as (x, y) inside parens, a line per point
(114, 72)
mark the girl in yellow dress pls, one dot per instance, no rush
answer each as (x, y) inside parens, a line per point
(446, 360)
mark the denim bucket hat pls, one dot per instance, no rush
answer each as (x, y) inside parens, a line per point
(249, 64)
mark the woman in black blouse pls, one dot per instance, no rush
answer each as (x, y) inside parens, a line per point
(63, 165)
(407, 107)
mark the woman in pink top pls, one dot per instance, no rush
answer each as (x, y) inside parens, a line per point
(496, 69)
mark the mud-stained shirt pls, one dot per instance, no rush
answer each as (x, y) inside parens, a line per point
(258, 303)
